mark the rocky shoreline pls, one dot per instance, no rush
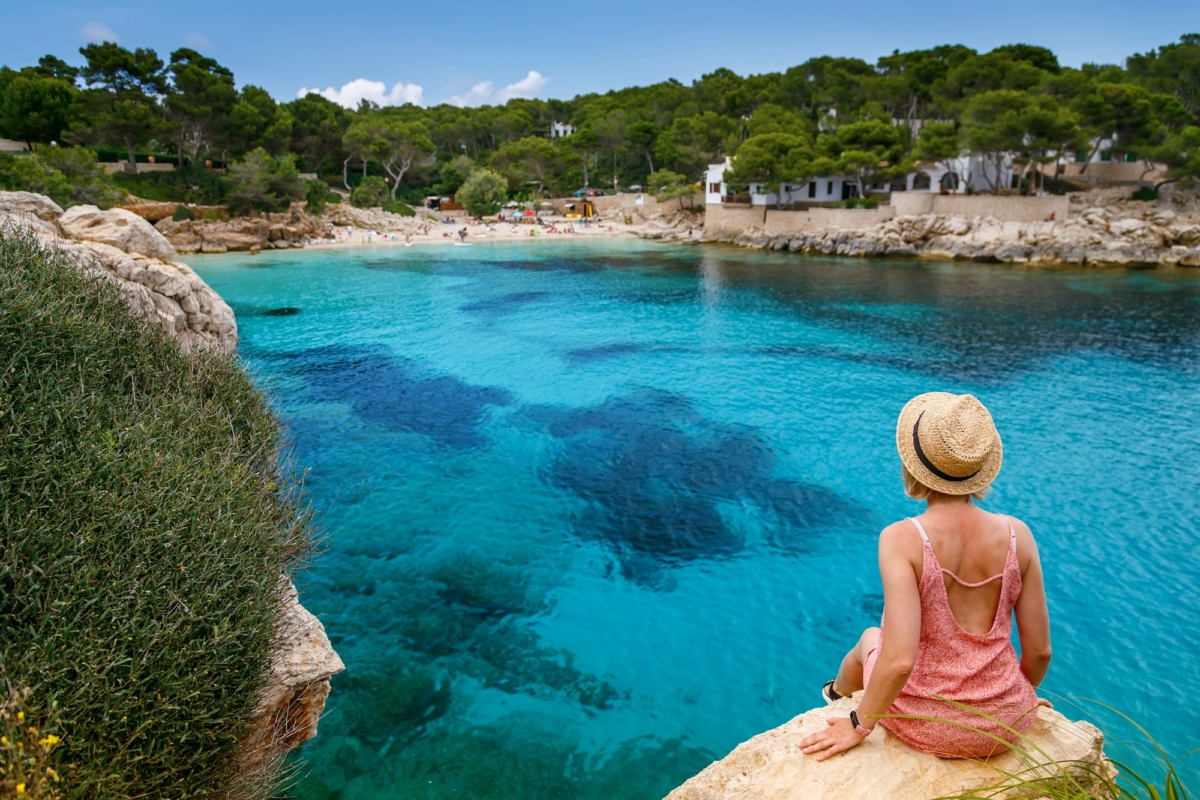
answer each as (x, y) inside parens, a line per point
(1102, 230)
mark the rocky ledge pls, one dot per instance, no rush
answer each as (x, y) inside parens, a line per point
(123, 247)
(771, 767)
(1099, 232)
(273, 232)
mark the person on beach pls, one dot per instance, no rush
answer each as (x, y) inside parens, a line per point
(940, 672)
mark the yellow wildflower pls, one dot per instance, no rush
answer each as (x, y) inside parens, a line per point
(20, 716)
(33, 731)
(48, 741)
(3, 740)
(20, 788)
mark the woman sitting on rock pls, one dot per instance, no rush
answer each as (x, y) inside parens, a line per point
(952, 578)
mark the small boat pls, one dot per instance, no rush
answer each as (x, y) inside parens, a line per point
(464, 244)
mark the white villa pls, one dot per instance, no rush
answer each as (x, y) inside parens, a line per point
(964, 171)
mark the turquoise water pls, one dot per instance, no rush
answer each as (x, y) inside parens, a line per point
(597, 512)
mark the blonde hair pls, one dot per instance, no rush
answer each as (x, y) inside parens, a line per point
(919, 491)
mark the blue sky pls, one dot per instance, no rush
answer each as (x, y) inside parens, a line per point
(473, 51)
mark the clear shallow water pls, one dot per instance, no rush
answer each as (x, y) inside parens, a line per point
(597, 512)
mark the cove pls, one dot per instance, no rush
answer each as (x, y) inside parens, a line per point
(597, 512)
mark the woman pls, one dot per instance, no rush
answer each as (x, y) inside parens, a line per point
(952, 579)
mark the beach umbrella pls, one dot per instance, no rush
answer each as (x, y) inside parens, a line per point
(531, 213)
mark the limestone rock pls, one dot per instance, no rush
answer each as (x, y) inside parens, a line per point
(277, 231)
(34, 211)
(771, 767)
(122, 229)
(372, 219)
(302, 662)
(169, 293)
(150, 210)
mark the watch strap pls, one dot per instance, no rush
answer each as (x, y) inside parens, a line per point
(858, 728)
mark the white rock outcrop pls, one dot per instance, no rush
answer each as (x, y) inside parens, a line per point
(122, 229)
(372, 219)
(771, 767)
(302, 662)
(136, 257)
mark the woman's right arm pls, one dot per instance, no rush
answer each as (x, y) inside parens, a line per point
(1033, 617)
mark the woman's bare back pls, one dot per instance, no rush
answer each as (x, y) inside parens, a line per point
(970, 544)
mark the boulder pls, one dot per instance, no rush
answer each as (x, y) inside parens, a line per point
(372, 219)
(34, 211)
(238, 234)
(289, 707)
(150, 210)
(169, 293)
(771, 767)
(117, 227)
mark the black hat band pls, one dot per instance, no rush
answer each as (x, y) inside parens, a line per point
(929, 464)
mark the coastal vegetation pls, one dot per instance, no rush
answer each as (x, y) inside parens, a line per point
(146, 525)
(827, 116)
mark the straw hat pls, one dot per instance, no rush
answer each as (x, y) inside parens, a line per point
(949, 442)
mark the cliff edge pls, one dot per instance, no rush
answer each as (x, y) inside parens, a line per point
(771, 767)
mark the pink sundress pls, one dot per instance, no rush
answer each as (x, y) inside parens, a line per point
(978, 670)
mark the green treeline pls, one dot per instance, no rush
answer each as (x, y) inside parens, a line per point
(828, 116)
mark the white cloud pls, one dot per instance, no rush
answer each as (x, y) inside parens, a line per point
(478, 95)
(354, 92)
(529, 86)
(98, 32)
(197, 41)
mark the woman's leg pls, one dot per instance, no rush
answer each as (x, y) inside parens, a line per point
(850, 675)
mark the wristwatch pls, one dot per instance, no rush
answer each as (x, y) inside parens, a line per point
(858, 728)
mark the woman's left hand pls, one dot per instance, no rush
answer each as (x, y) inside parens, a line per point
(839, 737)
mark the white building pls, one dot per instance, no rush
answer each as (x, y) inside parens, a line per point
(965, 171)
(815, 191)
(561, 129)
(714, 182)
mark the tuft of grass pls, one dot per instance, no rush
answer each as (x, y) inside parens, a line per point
(144, 526)
(1156, 776)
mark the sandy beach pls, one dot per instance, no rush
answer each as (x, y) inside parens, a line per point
(448, 234)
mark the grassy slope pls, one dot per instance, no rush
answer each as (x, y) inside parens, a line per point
(143, 531)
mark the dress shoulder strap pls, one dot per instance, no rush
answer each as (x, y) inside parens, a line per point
(921, 530)
(1012, 534)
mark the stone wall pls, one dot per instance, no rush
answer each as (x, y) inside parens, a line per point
(722, 220)
(119, 166)
(849, 219)
(1006, 209)
(625, 205)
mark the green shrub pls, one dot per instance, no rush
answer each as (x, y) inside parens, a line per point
(182, 213)
(145, 524)
(1145, 193)
(187, 185)
(397, 207)
(69, 176)
(870, 201)
(260, 182)
(370, 193)
(483, 193)
(317, 195)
